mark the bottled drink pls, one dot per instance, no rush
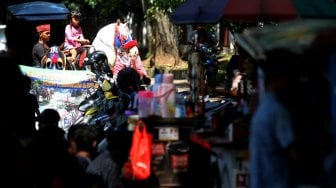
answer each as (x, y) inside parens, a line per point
(145, 103)
(156, 90)
(180, 106)
(167, 96)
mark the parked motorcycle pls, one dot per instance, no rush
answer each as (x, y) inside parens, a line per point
(209, 58)
(90, 105)
(106, 104)
(100, 104)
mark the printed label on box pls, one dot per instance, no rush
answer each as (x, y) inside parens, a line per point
(158, 149)
(168, 133)
(180, 163)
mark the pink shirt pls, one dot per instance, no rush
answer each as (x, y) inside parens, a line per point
(72, 33)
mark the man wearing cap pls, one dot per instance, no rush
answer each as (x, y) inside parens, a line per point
(41, 47)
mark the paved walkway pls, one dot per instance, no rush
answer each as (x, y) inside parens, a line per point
(183, 85)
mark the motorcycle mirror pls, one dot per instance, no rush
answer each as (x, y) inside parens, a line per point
(86, 60)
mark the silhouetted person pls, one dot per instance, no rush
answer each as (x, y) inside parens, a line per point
(83, 140)
(15, 139)
(235, 72)
(287, 134)
(53, 165)
(31, 103)
(105, 169)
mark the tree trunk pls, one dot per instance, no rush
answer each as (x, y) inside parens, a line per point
(164, 42)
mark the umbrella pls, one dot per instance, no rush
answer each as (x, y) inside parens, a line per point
(259, 10)
(296, 35)
(275, 10)
(38, 11)
(316, 9)
(211, 11)
(198, 11)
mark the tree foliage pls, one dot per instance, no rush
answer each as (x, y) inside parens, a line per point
(165, 6)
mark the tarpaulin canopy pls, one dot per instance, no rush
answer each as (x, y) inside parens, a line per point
(316, 9)
(259, 10)
(211, 11)
(198, 11)
(38, 11)
(296, 35)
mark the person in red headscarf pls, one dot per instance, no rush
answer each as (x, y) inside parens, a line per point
(41, 47)
(128, 56)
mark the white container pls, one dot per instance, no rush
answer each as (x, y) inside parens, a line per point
(145, 99)
(167, 96)
(156, 87)
(180, 106)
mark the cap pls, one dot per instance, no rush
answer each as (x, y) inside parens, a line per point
(44, 27)
(130, 44)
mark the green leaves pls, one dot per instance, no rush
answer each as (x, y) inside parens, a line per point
(166, 6)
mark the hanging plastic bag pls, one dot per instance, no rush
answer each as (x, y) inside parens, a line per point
(141, 152)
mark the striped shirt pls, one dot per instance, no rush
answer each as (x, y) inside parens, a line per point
(124, 61)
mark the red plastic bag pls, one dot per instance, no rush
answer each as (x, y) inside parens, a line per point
(141, 152)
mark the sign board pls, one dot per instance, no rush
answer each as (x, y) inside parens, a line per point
(168, 133)
(62, 90)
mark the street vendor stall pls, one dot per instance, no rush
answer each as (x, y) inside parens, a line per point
(276, 31)
(308, 99)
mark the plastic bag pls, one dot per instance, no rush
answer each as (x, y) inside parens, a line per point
(141, 152)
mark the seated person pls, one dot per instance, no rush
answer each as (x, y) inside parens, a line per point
(74, 37)
(240, 70)
(41, 48)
